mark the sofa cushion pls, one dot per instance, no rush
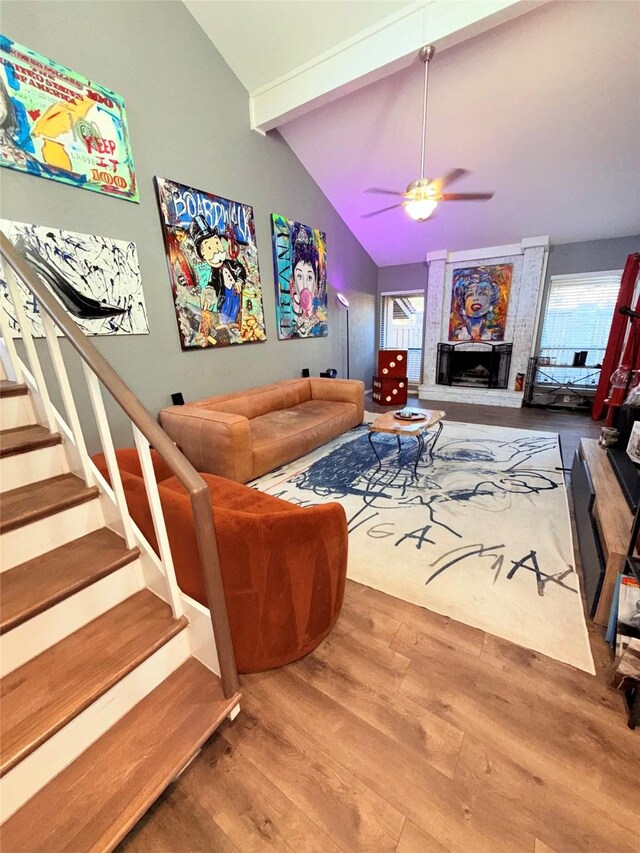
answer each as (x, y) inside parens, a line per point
(295, 391)
(249, 404)
(278, 437)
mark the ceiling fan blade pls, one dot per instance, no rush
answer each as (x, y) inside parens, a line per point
(382, 210)
(382, 191)
(466, 196)
(449, 178)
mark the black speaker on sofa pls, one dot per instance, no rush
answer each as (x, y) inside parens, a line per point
(305, 373)
(177, 399)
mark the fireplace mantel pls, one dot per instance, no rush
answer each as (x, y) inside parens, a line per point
(528, 259)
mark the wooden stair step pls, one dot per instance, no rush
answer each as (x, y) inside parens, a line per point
(12, 389)
(38, 500)
(42, 695)
(25, 438)
(95, 801)
(38, 584)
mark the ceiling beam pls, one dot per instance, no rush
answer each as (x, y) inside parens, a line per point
(379, 50)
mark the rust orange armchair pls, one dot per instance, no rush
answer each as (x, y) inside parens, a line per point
(283, 567)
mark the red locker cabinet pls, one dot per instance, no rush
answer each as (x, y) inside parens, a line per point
(392, 362)
(390, 391)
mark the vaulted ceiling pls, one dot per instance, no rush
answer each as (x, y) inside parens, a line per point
(542, 108)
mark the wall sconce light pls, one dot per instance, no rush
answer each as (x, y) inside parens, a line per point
(344, 302)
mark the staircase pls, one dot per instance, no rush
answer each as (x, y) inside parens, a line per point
(111, 678)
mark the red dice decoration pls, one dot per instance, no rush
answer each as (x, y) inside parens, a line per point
(392, 362)
(390, 385)
(389, 391)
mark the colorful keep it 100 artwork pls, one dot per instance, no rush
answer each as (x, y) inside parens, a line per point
(213, 267)
(479, 300)
(300, 268)
(57, 124)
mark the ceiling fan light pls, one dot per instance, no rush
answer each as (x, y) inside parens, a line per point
(420, 209)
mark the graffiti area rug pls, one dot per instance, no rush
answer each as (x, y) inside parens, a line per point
(481, 533)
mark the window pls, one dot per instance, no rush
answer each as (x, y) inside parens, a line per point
(401, 317)
(577, 317)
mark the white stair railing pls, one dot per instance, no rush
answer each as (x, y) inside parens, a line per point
(146, 432)
(39, 389)
(74, 428)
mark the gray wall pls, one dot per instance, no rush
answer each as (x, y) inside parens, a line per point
(403, 277)
(591, 256)
(189, 120)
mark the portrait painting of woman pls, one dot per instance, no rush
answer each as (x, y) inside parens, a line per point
(479, 300)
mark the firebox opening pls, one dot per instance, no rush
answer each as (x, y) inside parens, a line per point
(483, 365)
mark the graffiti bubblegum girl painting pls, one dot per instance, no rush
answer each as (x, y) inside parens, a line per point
(299, 257)
(479, 300)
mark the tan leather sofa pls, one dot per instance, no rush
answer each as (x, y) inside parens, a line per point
(245, 434)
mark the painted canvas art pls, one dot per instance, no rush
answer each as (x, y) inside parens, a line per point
(479, 300)
(96, 279)
(300, 271)
(58, 124)
(213, 266)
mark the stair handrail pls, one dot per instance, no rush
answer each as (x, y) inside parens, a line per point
(196, 487)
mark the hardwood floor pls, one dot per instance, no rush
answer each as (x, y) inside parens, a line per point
(406, 731)
(571, 425)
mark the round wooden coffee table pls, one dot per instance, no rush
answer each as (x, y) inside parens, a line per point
(418, 429)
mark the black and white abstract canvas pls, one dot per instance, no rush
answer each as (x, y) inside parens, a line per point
(480, 533)
(96, 279)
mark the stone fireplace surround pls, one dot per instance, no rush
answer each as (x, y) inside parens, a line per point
(529, 263)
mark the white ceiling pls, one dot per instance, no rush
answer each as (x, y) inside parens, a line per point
(262, 40)
(543, 109)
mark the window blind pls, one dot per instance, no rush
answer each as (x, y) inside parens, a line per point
(401, 319)
(578, 315)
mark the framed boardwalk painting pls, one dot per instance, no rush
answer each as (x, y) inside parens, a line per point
(212, 257)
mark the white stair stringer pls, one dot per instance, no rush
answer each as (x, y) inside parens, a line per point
(17, 411)
(34, 539)
(200, 628)
(43, 764)
(21, 469)
(38, 633)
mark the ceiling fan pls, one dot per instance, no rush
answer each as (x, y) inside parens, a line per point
(423, 195)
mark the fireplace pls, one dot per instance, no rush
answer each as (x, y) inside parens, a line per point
(474, 365)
